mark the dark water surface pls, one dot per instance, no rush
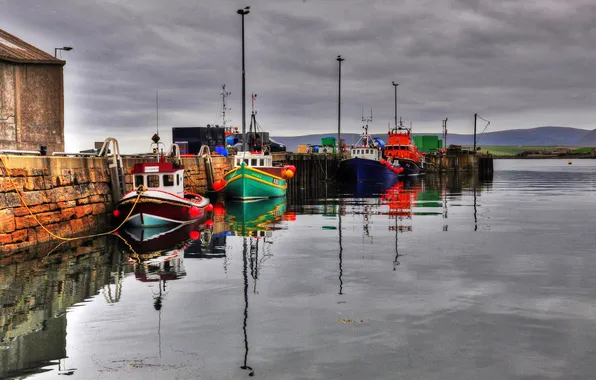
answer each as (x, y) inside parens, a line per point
(440, 278)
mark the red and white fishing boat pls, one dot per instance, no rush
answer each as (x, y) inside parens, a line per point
(163, 200)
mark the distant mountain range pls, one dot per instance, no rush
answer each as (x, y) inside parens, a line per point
(541, 136)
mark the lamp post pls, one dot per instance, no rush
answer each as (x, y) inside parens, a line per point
(243, 12)
(395, 87)
(65, 48)
(339, 60)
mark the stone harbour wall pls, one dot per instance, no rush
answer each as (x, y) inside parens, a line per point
(70, 195)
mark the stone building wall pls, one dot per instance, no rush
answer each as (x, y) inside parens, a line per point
(31, 106)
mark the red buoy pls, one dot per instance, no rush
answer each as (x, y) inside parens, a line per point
(209, 223)
(116, 213)
(219, 209)
(209, 207)
(194, 235)
(194, 211)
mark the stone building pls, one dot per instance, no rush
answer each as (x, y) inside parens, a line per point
(31, 97)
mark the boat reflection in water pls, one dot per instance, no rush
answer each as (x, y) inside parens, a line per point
(253, 222)
(157, 256)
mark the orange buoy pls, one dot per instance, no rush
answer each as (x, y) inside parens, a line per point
(289, 173)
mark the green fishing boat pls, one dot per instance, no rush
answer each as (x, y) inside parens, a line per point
(255, 177)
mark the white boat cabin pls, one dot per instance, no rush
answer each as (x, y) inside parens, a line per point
(369, 153)
(254, 160)
(160, 176)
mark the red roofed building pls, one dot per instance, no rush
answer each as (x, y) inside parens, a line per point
(31, 97)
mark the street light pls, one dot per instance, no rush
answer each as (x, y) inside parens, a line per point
(243, 12)
(65, 48)
(339, 59)
(395, 86)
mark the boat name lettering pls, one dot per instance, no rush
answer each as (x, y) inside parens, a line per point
(151, 169)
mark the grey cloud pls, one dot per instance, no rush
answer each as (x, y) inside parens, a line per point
(512, 60)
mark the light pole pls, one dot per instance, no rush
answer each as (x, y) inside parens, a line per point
(65, 48)
(243, 12)
(395, 87)
(339, 60)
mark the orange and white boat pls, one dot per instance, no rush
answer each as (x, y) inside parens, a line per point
(401, 151)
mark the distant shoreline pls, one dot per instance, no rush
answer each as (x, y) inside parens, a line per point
(566, 157)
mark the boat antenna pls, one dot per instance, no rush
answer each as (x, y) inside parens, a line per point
(366, 120)
(155, 138)
(224, 95)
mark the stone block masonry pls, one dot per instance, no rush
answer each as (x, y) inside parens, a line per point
(70, 195)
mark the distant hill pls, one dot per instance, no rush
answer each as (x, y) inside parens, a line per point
(541, 136)
(589, 139)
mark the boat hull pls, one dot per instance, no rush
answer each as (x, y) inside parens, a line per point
(244, 182)
(411, 168)
(364, 170)
(160, 209)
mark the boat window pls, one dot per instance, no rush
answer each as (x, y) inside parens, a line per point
(153, 180)
(253, 162)
(139, 180)
(262, 162)
(177, 179)
(168, 180)
(245, 161)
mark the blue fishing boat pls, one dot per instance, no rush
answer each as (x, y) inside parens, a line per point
(366, 163)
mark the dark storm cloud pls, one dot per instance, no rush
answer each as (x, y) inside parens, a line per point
(520, 64)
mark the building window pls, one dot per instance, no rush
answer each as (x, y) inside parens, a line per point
(168, 180)
(152, 180)
(139, 180)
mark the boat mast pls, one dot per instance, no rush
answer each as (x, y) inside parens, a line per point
(366, 120)
(224, 108)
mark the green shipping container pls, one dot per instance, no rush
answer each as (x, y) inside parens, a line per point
(330, 141)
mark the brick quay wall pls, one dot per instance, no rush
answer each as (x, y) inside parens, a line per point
(70, 195)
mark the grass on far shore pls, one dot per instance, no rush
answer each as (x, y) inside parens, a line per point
(516, 149)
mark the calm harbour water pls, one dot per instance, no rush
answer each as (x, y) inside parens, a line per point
(437, 278)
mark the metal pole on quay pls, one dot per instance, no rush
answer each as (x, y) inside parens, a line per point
(339, 60)
(395, 86)
(243, 12)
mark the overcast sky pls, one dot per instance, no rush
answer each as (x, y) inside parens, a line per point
(519, 64)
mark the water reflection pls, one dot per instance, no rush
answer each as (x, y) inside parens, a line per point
(38, 293)
(35, 295)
